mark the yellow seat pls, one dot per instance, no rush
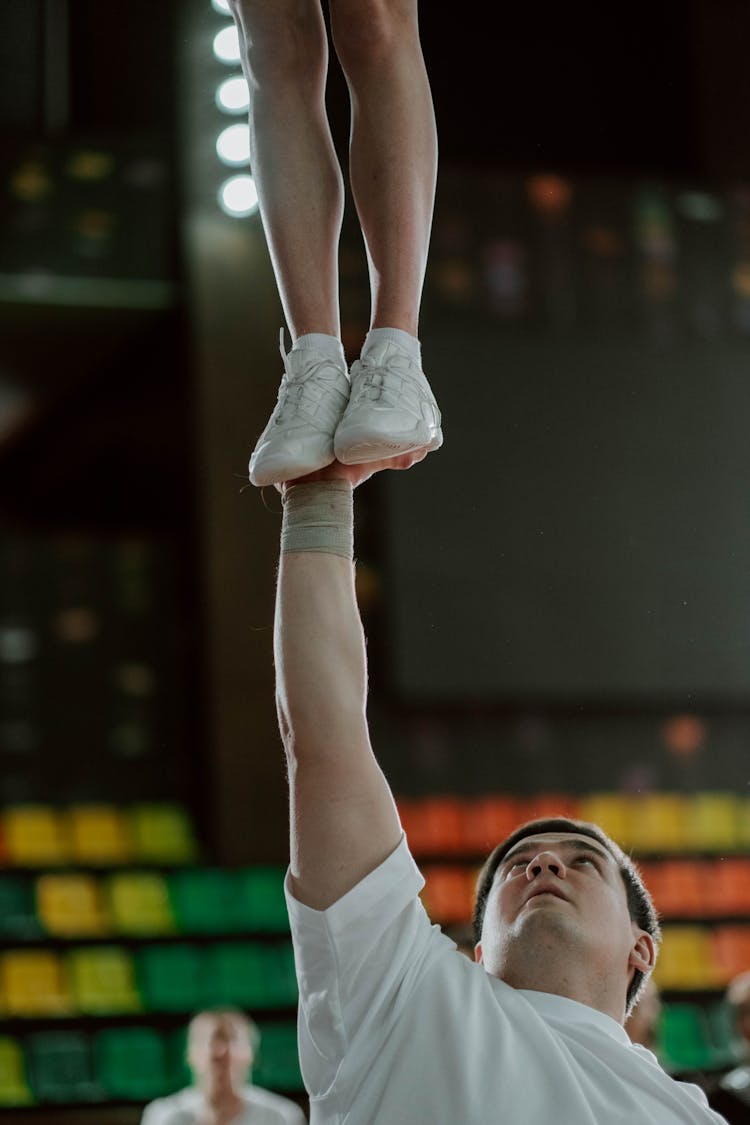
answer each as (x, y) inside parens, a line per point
(743, 823)
(100, 835)
(102, 980)
(14, 1088)
(658, 823)
(714, 822)
(34, 983)
(35, 836)
(686, 960)
(611, 812)
(162, 834)
(139, 903)
(71, 905)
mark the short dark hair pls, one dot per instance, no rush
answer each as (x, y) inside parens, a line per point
(640, 904)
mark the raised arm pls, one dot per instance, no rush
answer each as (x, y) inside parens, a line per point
(343, 821)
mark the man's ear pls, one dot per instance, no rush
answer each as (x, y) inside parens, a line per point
(478, 953)
(643, 953)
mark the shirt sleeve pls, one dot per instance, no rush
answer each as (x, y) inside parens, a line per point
(356, 964)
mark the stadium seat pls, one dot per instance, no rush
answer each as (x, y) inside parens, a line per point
(259, 903)
(18, 918)
(102, 980)
(728, 887)
(277, 1064)
(657, 823)
(100, 835)
(546, 805)
(14, 1087)
(678, 887)
(179, 1072)
(131, 1063)
(246, 975)
(34, 983)
(205, 900)
(171, 977)
(139, 903)
(730, 951)
(728, 1047)
(488, 820)
(60, 1067)
(35, 836)
(71, 905)
(611, 811)
(713, 821)
(685, 959)
(683, 1039)
(448, 894)
(162, 834)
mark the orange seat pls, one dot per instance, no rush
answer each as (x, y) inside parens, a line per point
(728, 887)
(488, 820)
(438, 823)
(678, 887)
(448, 894)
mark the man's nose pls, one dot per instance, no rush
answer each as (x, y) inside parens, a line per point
(545, 861)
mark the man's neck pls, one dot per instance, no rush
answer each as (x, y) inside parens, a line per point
(222, 1105)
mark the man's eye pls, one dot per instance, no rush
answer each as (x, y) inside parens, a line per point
(585, 859)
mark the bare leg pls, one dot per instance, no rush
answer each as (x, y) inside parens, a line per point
(393, 150)
(300, 190)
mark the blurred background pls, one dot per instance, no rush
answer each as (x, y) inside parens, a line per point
(557, 605)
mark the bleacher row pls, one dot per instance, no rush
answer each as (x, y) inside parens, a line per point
(132, 903)
(683, 888)
(704, 822)
(123, 1064)
(111, 980)
(95, 835)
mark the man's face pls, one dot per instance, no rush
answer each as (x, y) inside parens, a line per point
(558, 904)
(219, 1052)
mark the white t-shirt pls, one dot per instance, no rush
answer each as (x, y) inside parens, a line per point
(397, 1027)
(263, 1108)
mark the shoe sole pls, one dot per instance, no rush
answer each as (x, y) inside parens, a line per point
(277, 472)
(378, 449)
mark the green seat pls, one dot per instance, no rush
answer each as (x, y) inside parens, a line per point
(179, 1072)
(131, 1063)
(260, 906)
(18, 918)
(683, 1038)
(60, 1067)
(171, 978)
(245, 974)
(14, 1087)
(277, 1065)
(203, 900)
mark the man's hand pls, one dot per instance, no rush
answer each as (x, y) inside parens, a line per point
(357, 474)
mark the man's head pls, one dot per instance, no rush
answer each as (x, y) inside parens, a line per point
(559, 901)
(738, 995)
(221, 1047)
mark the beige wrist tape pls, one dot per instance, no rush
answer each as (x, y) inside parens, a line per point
(319, 517)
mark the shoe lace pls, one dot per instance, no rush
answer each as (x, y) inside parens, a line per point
(300, 396)
(381, 383)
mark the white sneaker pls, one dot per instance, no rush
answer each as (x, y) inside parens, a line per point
(298, 439)
(391, 410)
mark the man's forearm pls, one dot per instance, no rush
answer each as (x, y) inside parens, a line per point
(343, 819)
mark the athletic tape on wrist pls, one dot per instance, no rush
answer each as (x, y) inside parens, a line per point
(319, 517)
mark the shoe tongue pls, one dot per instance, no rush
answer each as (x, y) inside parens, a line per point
(380, 351)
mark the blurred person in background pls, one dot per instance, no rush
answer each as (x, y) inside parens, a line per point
(221, 1047)
(384, 406)
(643, 1023)
(730, 1093)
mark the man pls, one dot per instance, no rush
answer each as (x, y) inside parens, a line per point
(396, 1026)
(385, 406)
(730, 1093)
(221, 1047)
